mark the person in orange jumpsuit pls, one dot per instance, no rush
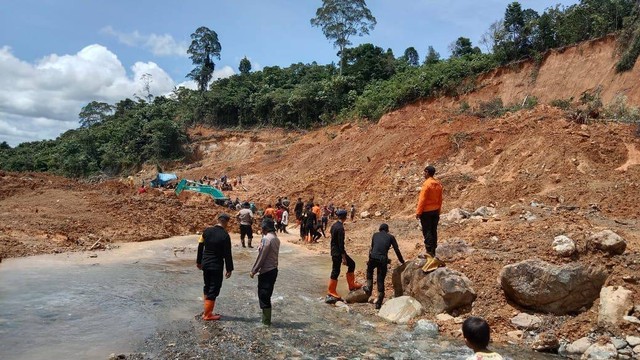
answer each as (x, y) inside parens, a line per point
(428, 210)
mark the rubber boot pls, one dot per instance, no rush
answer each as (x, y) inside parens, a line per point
(242, 241)
(266, 317)
(369, 287)
(380, 300)
(250, 243)
(208, 314)
(351, 281)
(333, 284)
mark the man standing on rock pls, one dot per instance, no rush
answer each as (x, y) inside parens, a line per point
(381, 242)
(339, 257)
(428, 211)
(266, 266)
(245, 217)
(214, 254)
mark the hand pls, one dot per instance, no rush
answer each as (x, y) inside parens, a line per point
(417, 217)
(227, 275)
(251, 275)
(199, 266)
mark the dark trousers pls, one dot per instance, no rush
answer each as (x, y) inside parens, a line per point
(212, 283)
(266, 282)
(246, 230)
(380, 266)
(336, 262)
(429, 221)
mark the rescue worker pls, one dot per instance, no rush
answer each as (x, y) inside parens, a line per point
(245, 218)
(214, 254)
(297, 210)
(266, 266)
(381, 242)
(285, 220)
(270, 212)
(339, 257)
(428, 210)
(353, 212)
(310, 225)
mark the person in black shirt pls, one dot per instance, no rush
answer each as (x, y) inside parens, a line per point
(214, 254)
(381, 242)
(339, 257)
(310, 226)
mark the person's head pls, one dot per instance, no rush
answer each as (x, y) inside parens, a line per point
(246, 205)
(429, 171)
(299, 199)
(268, 206)
(268, 226)
(383, 227)
(341, 214)
(223, 220)
(476, 332)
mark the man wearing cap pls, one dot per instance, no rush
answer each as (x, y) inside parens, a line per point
(214, 254)
(381, 242)
(245, 217)
(266, 266)
(339, 257)
(428, 210)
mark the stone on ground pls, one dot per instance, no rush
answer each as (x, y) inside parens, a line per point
(356, 296)
(526, 321)
(546, 342)
(633, 340)
(600, 352)
(401, 310)
(484, 211)
(454, 215)
(453, 249)
(615, 303)
(545, 287)
(608, 241)
(579, 346)
(426, 327)
(564, 246)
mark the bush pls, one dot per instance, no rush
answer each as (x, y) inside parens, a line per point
(563, 104)
(618, 110)
(490, 109)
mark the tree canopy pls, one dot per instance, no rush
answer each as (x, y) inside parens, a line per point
(203, 49)
(245, 66)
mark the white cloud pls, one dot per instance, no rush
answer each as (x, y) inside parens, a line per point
(223, 73)
(160, 45)
(42, 99)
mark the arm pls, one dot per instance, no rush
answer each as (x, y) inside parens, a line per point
(440, 199)
(262, 256)
(394, 243)
(228, 259)
(200, 252)
(421, 200)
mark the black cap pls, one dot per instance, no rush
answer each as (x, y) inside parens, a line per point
(383, 227)
(430, 169)
(223, 216)
(268, 225)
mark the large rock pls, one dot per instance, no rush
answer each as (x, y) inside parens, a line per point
(614, 305)
(564, 246)
(526, 321)
(442, 290)
(600, 352)
(454, 215)
(401, 310)
(453, 249)
(579, 346)
(551, 288)
(356, 296)
(484, 211)
(546, 342)
(608, 241)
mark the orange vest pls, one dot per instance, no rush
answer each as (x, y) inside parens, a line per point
(430, 196)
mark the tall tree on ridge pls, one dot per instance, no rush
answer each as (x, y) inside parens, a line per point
(203, 49)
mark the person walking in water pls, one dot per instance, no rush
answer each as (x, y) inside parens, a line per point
(266, 266)
(339, 257)
(245, 217)
(381, 242)
(214, 254)
(428, 210)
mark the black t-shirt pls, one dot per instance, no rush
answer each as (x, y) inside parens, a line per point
(381, 242)
(214, 249)
(337, 239)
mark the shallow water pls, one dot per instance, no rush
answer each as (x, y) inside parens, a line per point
(71, 306)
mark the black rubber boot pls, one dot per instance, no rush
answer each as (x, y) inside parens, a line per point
(369, 287)
(250, 243)
(266, 317)
(379, 301)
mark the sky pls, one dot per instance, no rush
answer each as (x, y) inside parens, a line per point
(56, 56)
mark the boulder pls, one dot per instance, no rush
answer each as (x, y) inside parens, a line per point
(401, 310)
(365, 215)
(454, 215)
(579, 346)
(633, 340)
(378, 213)
(564, 246)
(484, 211)
(453, 249)
(608, 241)
(618, 343)
(546, 342)
(515, 335)
(442, 290)
(600, 351)
(444, 317)
(526, 321)
(615, 303)
(356, 296)
(545, 287)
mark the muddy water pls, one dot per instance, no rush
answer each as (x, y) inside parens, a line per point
(143, 297)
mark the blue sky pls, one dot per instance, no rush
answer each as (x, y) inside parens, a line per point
(58, 55)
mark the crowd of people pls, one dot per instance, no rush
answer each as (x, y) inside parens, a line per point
(214, 252)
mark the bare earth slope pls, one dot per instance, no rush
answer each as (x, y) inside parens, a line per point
(576, 179)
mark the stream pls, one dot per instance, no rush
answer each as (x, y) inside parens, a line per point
(142, 298)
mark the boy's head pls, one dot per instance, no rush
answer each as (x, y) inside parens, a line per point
(476, 332)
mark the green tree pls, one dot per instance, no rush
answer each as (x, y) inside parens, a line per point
(4, 146)
(341, 19)
(463, 47)
(245, 66)
(433, 57)
(411, 56)
(203, 49)
(94, 112)
(368, 62)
